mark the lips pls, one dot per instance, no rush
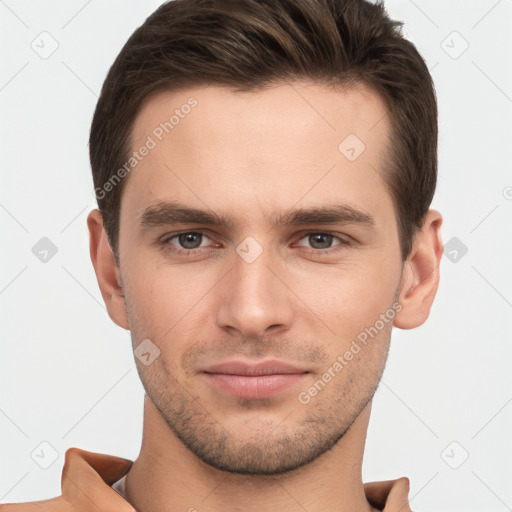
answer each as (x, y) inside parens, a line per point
(264, 368)
(260, 380)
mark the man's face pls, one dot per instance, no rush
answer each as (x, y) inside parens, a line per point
(261, 288)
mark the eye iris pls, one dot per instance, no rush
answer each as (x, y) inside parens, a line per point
(187, 239)
(317, 237)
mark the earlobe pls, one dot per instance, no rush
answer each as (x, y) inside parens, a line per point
(420, 279)
(108, 274)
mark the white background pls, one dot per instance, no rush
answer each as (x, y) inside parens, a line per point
(67, 372)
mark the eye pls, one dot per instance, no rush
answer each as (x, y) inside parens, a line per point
(190, 243)
(323, 241)
(185, 243)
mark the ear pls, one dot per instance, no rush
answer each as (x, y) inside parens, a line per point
(420, 278)
(107, 272)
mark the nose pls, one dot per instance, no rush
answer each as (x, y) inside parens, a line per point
(256, 298)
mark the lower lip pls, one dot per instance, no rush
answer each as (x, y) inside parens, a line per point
(252, 386)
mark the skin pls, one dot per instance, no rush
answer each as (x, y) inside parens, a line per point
(253, 156)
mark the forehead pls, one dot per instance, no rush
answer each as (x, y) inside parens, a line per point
(294, 142)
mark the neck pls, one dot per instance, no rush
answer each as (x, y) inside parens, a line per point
(167, 476)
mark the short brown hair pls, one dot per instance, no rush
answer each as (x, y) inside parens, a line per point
(246, 45)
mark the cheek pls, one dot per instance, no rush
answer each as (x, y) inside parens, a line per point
(149, 299)
(348, 298)
(164, 303)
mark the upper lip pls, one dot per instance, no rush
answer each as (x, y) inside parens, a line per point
(264, 368)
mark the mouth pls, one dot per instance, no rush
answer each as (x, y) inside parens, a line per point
(260, 380)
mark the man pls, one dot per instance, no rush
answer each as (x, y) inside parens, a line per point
(264, 171)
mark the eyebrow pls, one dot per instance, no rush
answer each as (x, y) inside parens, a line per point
(167, 213)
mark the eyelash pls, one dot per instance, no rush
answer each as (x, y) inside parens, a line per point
(193, 252)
